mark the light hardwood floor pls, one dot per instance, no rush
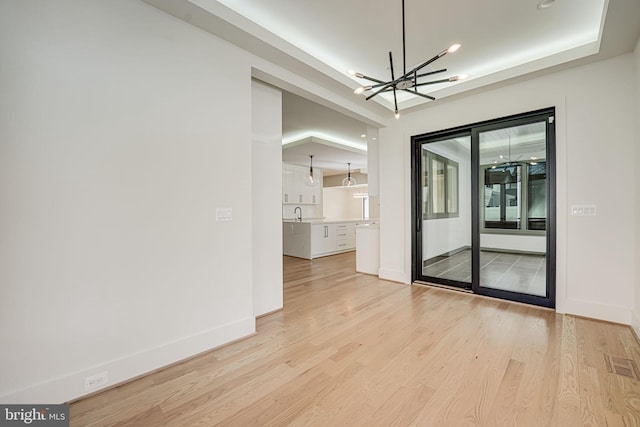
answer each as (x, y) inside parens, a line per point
(351, 350)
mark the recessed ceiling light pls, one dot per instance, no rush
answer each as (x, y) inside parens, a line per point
(545, 3)
(363, 135)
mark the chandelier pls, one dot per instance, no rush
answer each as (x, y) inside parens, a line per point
(409, 81)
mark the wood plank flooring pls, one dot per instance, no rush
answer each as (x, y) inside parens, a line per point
(352, 350)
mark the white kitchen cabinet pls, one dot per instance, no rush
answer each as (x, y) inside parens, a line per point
(287, 183)
(311, 240)
(297, 186)
(295, 239)
(323, 239)
(345, 236)
(332, 238)
(294, 189)
(368, 249)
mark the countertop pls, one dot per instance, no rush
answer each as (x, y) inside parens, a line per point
(328, 221)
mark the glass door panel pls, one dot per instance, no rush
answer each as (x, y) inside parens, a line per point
(513, 209)
(445, 171)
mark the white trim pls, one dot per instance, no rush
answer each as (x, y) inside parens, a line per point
(635, 322)
(394, 276)
(71, 386)
(610, 313)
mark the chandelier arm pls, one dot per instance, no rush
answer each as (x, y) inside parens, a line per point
(421, 66)
(391, 84)
(391, 65)
(404, 50)
(432, 82)
(371, 79)
(431, 73)
(395, 100)
(384, 89)
(415, 92)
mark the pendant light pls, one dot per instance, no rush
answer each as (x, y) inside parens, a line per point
(409, 81)
(309, 179)
(349, 181)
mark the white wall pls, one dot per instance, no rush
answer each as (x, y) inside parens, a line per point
(336, 180)
(266, 172)
(308, 211)
(339, 203)
(636, 315)
(514, 242)
(120, 130)
(594, 129)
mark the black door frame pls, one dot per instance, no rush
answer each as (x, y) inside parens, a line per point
(416, 208)
(548, 116)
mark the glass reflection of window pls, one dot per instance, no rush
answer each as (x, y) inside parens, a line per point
(440, 186)
(438, 194)
(452, 188)
(537, 196)
(515, 196)
(425, 185)
(502, 197)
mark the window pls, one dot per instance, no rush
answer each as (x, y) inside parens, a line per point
(440, 186)
(365, 207)
(515, 196)
(502, 199)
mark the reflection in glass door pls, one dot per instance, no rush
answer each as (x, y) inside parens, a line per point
(445, 211)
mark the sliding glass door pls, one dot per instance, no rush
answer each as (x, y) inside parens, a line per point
(445, 209)
(484, 208)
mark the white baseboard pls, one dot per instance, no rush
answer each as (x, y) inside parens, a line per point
(394, 276)
(635, 323)
(70, 387)
(610, 313)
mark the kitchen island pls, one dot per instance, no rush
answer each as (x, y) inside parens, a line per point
(314, 238)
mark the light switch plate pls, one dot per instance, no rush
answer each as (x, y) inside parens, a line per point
(583, 210)
(224, 214)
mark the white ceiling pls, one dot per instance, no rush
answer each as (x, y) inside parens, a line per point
(334, 139)
(331, 158)
(321, 40)
(497, 36)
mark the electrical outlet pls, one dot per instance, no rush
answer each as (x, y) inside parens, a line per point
(96, 381)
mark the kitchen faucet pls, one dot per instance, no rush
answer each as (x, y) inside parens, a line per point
(299, 218)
